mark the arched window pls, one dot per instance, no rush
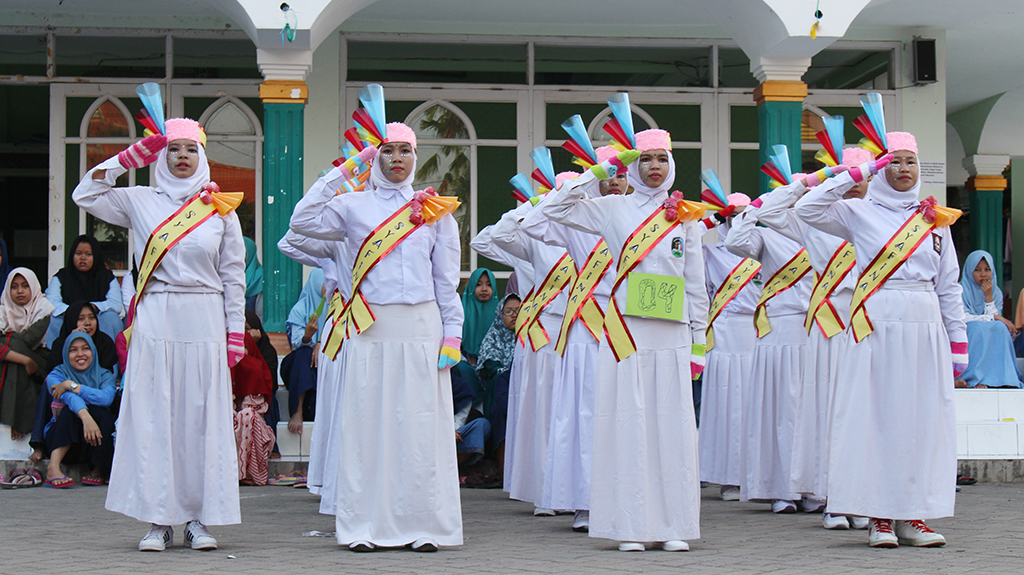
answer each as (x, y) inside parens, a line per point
(446, 159)
(107, 128)
(234, 148)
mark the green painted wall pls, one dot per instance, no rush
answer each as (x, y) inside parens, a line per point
(779, 123)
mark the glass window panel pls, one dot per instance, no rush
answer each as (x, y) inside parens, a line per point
(22, 54)
(621, 66)
(734, 69)
(598, 133)
(229, 120)
(849, 70)
(113, 239)
(233, 167)
(558, 113)
(682, 121)
(494, 196)
(215, 58)
(746, 170)
(110, 56)
(491, 120)
(744, 125)
(107, 122)
(439, 122)
(436, 62)
(688, 169)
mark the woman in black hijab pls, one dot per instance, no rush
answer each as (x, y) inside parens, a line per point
(85, 278)
(79, 316)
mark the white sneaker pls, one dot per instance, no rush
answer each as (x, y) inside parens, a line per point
(361, 546)
(581, 522)
(880, 534)
(198, 537)
(811, 504)
(675, 545)
(424, 545)
(830, 521)
(918, 534)
(730, 493)
(157, 538)
(858, 522)
(783, 506)
(630, 546)
(543, 512)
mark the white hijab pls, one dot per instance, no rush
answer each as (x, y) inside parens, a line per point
(639, 187)
(180, 189)
(16, 318)
(385, 187)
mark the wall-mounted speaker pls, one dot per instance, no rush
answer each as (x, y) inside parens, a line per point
(924, 61)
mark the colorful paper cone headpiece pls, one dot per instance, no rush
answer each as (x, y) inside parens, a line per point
(372, 117)
(872, 124)
(777, 167)
(544, 174)
(353, 139)
(151, 98)
(521, 189)
(620, 127)
(832, 138)
(714, 194)
(578, 143)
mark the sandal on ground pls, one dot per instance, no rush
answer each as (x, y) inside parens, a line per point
(92, 480)
(23, 477)
(289, 479)
(965, 480)
(61, 482)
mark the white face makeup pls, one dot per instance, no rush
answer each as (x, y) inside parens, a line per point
(903, 171)
(615, 185)
(396, 160)
(183, 158)
(653, 166)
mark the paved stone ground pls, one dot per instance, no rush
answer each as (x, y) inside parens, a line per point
(68, 531)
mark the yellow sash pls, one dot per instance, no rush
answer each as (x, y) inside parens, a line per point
(171, 231)
(560, 275)
(582, 304)
(787, 276)
(333, 338)
(821, 309)
(356, 315)
(637, 246)
(737, 279)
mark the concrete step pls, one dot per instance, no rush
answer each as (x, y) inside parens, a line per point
(989, 405)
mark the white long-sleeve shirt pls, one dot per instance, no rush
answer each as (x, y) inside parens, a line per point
(718, 264)
(210, 259)
(615, 218)
(484, 245)
(423, 267)
(773, 250)
(507, 235)
(869, 226)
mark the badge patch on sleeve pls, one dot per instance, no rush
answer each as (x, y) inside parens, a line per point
(937, 243)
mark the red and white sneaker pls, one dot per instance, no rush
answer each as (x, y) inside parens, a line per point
(880, 534)
(918, 534)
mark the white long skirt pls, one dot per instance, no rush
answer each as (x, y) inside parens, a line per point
(770, 410)
(176, 458)
(892, 443)
(512, 412)
(397, 473)
(644, 483)
(323, 444)
(571, 435)
(730, 365)
(810, 438)
(528, 453)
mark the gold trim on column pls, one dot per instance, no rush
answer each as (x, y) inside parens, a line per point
(780, 91)
(986, 183)
(283, 92)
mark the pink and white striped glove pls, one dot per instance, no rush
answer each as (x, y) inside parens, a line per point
(697, 353)
(143, 153)
(960, 359)
(450, 354)
(861, 172)
(823, 174)
(236, 348)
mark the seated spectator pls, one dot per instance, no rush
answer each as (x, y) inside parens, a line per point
(298, 368)
(82, 427)
(989, 335)
(253, 388)
(253, 279)
(5, 263)
(478, 304)
(493, 366)
(24, 317)
(80, 316)
(471, 428)
(254, 327)
(85, 277)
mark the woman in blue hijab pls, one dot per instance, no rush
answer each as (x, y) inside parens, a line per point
(989, 334)
(298, 369)
(82, 392)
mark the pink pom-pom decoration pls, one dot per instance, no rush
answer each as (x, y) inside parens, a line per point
(205, 197)
(677, 195)
(416, 206)
(430, 191)
(671, 214)
(416, 218)
(419, 197)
